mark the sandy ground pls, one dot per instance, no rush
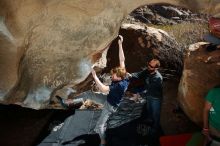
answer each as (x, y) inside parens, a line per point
(173, 119)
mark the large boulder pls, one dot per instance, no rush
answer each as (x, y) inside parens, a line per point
(47, 44)
(201, 72)
(141, 43)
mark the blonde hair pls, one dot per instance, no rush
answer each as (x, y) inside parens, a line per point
(119, 71)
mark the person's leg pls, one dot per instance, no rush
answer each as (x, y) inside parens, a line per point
(215, 136)
(101, 124)
(154, 107)
(149, 109)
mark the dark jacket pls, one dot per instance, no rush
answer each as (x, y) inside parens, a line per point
(152, 83)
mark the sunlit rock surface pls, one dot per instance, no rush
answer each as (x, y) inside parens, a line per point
(46, 44)
(201, 72)
(141, 43)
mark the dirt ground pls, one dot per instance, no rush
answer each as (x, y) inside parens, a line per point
(173, 119)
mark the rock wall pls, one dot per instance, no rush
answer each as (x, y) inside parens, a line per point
(141, 43)
(201, 72)
(46, 44)
(55, 42)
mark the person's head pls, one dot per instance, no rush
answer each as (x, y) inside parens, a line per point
(118, 73)
(153, 65)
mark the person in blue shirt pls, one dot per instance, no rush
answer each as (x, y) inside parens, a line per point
(115, 92)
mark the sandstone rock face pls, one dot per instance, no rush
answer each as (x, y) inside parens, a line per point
(142, 42)
(8, 55)
(47, 44)
(201, 72)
